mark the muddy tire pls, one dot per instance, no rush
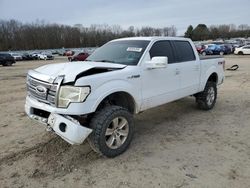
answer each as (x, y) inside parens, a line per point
(207, 99)
(113, 129)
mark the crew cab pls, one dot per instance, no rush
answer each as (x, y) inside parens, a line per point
(96, 99)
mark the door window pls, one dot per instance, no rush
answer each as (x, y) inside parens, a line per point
(184, 51)
(162, 48)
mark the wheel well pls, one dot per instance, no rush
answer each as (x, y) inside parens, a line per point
(213, 78)
(122, 99)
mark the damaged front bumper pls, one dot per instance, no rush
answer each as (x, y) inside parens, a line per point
(65, 126)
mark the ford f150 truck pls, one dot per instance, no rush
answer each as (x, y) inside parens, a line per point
(97, 98)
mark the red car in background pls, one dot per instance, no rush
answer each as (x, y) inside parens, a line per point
(79, 57)
(200, 48)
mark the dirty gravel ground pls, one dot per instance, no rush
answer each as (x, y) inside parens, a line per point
(175, 145)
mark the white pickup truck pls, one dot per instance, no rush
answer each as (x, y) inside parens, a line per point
(97, 98)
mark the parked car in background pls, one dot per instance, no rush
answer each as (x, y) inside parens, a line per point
(16, 56)
(226, 48)
(79, 57)
(68, 53)
(6, 59)
(244, 50)
(35, 55)
(213, 49)
(45, 56)
(27, 56)
(200, 48)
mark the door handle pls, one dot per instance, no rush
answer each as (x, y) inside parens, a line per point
(177, 71)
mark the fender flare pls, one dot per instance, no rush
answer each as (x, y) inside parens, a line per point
(106, 89)
(209, 72)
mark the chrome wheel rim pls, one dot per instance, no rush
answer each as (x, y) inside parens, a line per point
(117, 132)
(210, 96)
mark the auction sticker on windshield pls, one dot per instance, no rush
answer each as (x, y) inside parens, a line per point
(134, 49)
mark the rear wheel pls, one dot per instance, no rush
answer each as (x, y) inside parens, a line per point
(113, 129)
(221, 53)
(204, 53)
(207, 99)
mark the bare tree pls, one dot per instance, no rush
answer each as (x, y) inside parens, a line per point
(15, 35)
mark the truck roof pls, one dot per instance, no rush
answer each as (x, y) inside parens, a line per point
(153, 38)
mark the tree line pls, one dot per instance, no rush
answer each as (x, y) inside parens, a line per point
(15, 35)
(202, 32)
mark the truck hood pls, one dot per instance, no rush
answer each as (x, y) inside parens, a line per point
(72, 70)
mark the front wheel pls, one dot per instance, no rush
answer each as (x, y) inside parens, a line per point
(113, 129)
(207, 99)
(221, 53)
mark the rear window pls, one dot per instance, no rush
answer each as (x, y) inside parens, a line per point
(184, 51)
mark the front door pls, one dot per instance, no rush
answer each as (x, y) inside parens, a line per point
(160, 85)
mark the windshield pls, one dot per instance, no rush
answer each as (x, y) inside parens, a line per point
(126, 52)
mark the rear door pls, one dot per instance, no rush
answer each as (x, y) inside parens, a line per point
(188, 67)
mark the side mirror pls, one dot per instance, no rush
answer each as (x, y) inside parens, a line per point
(157, 62)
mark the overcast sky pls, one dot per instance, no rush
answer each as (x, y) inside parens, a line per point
(155, 13)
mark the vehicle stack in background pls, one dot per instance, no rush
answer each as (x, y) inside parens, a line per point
(77, 54)
(238, 46)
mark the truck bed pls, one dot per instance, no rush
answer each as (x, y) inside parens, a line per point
(210, 57)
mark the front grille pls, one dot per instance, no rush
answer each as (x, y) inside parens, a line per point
(42, 91)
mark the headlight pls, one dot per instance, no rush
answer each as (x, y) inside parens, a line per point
(68, 94)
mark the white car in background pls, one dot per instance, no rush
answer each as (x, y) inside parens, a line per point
(242, 50)
(45, 56)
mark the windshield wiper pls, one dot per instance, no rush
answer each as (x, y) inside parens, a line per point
(87, 60)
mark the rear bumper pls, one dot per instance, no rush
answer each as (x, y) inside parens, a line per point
(65, 126)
